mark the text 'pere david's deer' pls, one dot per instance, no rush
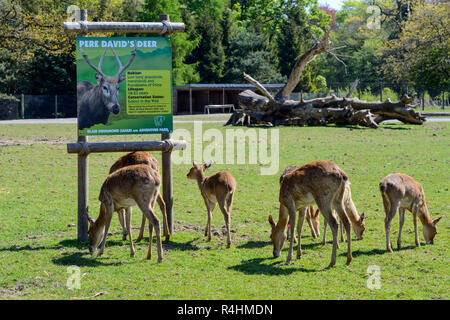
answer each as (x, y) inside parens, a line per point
(95, 103)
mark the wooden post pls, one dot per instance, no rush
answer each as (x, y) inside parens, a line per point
(83, 193)
(167, 162)
(83, 178)
(167, 191)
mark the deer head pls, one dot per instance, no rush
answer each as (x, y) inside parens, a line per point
(109, 85)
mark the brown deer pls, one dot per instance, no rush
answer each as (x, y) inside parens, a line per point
(400, 192)
(320, 182)
(131, 185)
(139, 157)
(217, 188)
(96, 102)
(358, 223)
(311, 217)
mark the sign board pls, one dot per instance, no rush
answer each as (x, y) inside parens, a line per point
(124, 85)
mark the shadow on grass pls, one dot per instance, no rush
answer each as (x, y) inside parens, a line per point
(82, 259)
(375, 251)
(257, 266)
(391, 127)
(261, 244)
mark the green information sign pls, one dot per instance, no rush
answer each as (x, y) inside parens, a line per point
(124, 85)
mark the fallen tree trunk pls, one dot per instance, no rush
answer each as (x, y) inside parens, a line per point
(273, 111)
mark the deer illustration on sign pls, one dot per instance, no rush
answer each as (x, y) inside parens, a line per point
(96, 102)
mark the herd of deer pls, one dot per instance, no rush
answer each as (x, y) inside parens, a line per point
(134, 179)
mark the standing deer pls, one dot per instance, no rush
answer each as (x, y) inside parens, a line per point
(358, 224)
(311, 217)
(139, 157)
(217, 188)
(131, 185)
(95, 103)
(400, 192)
(320, 182)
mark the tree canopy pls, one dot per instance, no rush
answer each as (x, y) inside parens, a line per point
(398, 41)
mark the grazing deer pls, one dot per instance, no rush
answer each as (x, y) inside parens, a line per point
(217, 188)
(131, 185)
(400, 192)
(139, 157)
(358, 224)
(311, 217)
(320, 182)
(96, 102)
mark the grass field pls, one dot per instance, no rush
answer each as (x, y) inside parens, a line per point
(38, 197)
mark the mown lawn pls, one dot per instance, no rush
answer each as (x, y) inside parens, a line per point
(38, 199)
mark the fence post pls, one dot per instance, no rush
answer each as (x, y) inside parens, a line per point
(22, 106)
(167, 165)
(83, 178)
(167, 191)
(56, 106)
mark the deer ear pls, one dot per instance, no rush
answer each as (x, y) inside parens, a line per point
(122, 78)
(363, 216)
(317, 213)
(207, 165)
(89, 219)
(272, 223)
(435, 221)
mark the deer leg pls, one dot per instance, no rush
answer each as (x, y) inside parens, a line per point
(128, 221)
(387, 224)
(147, 209)
(416, 231)
(401, 215)
(121, 214)
(324, 205)
(308, 219)
(325, 223)
(342, 231)
(345, 224)
(109, 212)
(141, 231)
(162, 207)
(226, 216)
(292, 214)
(301, 219)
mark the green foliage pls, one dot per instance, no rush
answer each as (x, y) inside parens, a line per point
(411, 47)
(249, 53)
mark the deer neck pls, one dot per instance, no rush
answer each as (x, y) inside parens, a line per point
(424, 215)
(101, 219)
(201, 178)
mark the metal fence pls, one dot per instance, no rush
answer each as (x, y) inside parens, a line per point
(65, 106)
(38, 107)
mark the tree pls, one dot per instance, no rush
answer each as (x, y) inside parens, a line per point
(420, 55)
(249, 53)
(183, 72)
(209, 54)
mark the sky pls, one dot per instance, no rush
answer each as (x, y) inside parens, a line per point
(335, 4)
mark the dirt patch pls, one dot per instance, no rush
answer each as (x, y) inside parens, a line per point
(29, 142)
(13, 293)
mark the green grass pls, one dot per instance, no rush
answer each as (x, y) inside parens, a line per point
(38, 197)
